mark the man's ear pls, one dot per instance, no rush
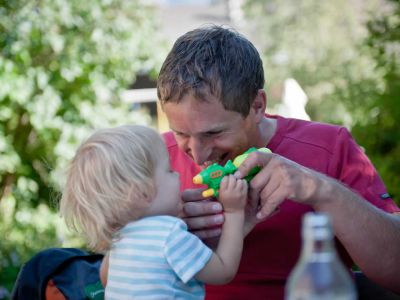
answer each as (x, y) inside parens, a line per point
(259, 105)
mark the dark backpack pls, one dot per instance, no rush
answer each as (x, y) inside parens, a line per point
(59, 274)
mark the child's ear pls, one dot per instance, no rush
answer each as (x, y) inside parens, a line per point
(141, 198)
(140, 201)
(146, 197)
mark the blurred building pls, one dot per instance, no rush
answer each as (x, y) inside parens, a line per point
(293, 101)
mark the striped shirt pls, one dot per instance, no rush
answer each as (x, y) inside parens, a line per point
(156, 258)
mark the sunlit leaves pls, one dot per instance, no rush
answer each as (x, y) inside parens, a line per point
(63, 65)
(318, 44)
(346, 56)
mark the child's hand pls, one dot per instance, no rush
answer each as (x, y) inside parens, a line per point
(233, 193)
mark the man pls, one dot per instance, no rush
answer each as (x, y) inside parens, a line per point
(211, 90)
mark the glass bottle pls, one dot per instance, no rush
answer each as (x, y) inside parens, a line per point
(319, 273)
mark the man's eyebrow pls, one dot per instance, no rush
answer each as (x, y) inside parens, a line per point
(208, 131)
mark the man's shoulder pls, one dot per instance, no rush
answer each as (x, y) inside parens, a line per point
(311, 133)
(299, 127)
(181, 162)
(172, 147)
(169, 139)
(175, 154)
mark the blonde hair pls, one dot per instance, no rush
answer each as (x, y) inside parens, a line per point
(110, 182)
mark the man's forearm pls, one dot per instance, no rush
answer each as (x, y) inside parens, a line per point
(370, 235)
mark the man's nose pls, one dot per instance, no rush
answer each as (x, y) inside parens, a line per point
(198, 149)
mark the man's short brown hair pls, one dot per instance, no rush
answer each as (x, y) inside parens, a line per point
(216, 60)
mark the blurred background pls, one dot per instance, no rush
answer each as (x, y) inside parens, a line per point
(70, 66)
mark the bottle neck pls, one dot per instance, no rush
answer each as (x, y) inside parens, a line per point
(318, 244)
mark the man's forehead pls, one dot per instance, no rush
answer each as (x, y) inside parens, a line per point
(191, 115)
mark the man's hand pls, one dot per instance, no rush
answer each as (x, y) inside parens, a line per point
(203, 216)
(279, 179)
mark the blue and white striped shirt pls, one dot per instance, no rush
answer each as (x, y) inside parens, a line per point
(156, 258)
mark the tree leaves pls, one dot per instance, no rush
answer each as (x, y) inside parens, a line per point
(63, 65)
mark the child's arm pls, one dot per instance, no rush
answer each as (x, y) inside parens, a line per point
(223, 264)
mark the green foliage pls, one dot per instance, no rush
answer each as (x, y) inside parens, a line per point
(63, 65)
(378, 128)
(322, 44)
(315, 42)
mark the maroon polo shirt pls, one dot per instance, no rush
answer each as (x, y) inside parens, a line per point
(273, 247)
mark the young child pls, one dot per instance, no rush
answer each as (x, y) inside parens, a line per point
(123, 196)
